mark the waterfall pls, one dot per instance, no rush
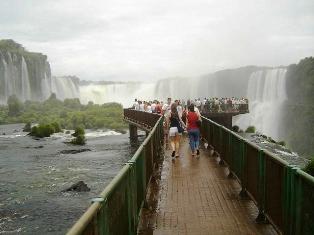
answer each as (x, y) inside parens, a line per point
(25, 86)
(64, 87)
(266, 93)
(15, 78)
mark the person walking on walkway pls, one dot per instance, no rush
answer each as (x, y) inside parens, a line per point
(193, 120)
(176, 129)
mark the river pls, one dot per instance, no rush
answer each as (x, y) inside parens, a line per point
(33, 174)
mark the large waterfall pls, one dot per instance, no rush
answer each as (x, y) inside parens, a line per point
(29, 78)
(266, 93)
(14, 77)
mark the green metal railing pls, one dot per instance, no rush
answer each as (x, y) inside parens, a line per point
(118, 207)
(283, 193)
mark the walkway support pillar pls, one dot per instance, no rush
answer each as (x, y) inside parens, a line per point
(133, 133)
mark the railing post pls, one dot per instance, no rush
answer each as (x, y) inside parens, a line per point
(261, 218)
(230, 175)
(131, 195)
(243, 192)
(298, 203)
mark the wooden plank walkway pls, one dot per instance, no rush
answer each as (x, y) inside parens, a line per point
(195, 196)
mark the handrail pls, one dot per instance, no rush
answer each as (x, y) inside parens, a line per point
(284, 193)
(121, 201)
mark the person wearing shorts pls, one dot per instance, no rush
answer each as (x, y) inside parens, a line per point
(176, 129)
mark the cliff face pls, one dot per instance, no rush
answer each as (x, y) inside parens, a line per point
(299, 110)
(22, 72)
(28, 76)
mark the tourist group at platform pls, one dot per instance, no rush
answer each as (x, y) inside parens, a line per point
(207, 105)
(185, 116)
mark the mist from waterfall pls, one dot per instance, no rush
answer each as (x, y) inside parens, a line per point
(123, 93)
(266, 93)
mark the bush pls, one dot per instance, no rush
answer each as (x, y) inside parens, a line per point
(79, 140)
(309, 168)
(56, 127)
(79, 135)
(43, 130)
(250, 129)
(78, 131)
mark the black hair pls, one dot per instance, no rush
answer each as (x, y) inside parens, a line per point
(191, 108)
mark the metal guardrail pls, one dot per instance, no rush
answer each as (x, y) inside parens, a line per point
(118, 208)
(283, 193)
(145, 119)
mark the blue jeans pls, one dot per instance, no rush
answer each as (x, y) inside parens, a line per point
(194, 136)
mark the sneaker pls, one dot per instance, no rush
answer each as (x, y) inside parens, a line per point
(198, 152)
(177, 156)
(173, 154)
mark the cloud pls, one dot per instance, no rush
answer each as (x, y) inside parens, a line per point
(150, 39)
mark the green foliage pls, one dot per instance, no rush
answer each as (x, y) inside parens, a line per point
(79, 140)
(78, 131)
(15, 105)
(56, 127)
(79, 135)
(250, 129)
(42, 130)
(309, 168)
(69, 114)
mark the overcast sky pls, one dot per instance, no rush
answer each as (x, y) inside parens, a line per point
(153, 39)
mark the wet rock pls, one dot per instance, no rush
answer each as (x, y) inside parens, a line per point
(78, 187)
(74, 151)
(35, 147)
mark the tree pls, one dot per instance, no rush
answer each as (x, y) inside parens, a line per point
(15, 106)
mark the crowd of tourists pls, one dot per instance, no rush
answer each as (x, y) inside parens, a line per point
(207, 105)
(179, 118)
(185, 116)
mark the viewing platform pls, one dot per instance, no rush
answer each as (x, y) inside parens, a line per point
(235, 187)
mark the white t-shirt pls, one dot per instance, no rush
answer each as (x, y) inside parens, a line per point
(149, 109)
(136, 106)
(166, 109)
(180, 110)
(142, 107)
(153, 107)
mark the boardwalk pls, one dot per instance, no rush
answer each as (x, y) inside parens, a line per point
(197, 197)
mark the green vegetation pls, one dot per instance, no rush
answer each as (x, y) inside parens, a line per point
(78, 131)
(14, 106)
(299, 111)
(68, 114)
(250, 129)
(79, 135)
(309, 168)
(45, 130)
